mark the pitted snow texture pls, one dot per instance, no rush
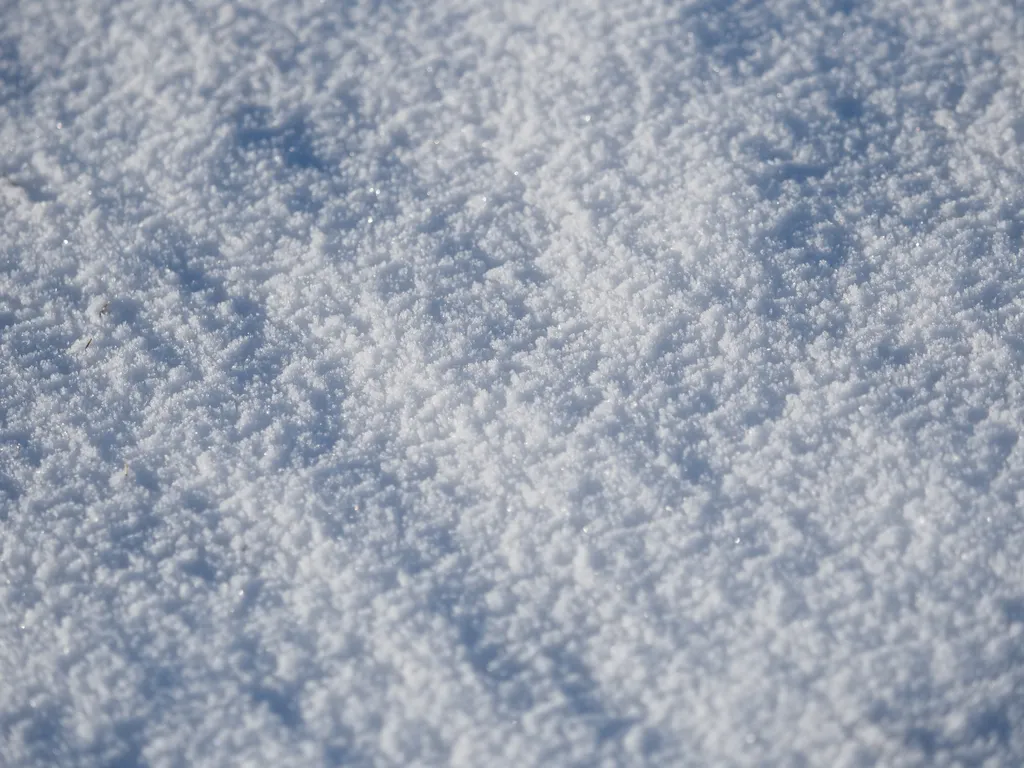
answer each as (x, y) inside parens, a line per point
(511, 383)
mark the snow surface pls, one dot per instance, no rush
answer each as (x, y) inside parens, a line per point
(511, 383)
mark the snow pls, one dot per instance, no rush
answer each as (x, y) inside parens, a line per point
(511, 383)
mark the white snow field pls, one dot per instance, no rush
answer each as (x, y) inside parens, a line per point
(450, 382)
